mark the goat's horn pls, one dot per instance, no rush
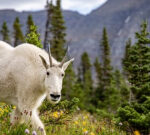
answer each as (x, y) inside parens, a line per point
(50, 56)
(65, 57)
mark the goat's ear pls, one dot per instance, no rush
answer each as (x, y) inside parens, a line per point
(44, 62)
(66, 64)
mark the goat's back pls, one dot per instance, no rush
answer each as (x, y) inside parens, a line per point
(5, 49)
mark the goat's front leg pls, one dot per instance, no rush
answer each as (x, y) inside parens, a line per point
(30, 116)
(37, 123)
(15, 117)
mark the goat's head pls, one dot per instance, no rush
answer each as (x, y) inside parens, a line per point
(54, 77)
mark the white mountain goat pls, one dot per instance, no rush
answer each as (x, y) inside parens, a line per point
(27, 76)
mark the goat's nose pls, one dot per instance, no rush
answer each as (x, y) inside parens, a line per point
(55, 96)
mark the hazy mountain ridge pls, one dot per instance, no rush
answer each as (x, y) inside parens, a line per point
(121, 18)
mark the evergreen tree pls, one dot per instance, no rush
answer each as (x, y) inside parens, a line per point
(138, 112)
(5, 32)
(87, 82)
(121, 86)
(99, 92)
(86, 72)
(107, 91)
(106, 72)
(72, 87)
(58, 32)
(139, 63)
(107, 68)
(29, 24)
(33, 37)
(98, 69)
(18, 35)
(79, 75)
(126, 57)
(69, 82)
(79, 92)
(47, 37)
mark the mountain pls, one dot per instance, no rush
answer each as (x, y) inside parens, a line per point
(122, 18)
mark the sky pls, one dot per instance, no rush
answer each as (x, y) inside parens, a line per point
(82, 6)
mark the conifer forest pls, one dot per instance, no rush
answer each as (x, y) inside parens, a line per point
(97, 98)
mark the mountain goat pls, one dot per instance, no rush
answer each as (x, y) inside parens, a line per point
(27, 76)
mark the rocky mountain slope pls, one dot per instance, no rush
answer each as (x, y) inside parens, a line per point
(122, 18)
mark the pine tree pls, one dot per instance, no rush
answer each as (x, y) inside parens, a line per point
(139, 63)
(98, 69)
(84, 85)
(69, 82)
(58, 32)
(47, 37)
(79, 74)
(29, 24)
(107, 92)
(137, 113)
(126, 57)
(99, 92)
(87, 82)
(121, 86)
(79, 92)
(18, 35)
(33, 37)
(5, 33)
(107, 68)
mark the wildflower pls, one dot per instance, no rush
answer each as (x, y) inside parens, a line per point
(92, 133)
(78, 109)
(27, 131)
(86, 117)
(1, 112)
(120, 124)
(14, 107)
(41, 129)
(6, 110)
(84, 123)
(137, 132)
(76, 122)
(55, 114)
(61, 113)
(34, 133)
(85, 131)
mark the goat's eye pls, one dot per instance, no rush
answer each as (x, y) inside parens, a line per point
(47, 73)
(62, 75)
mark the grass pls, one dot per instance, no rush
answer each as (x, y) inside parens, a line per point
(56, 123)
(84, 124)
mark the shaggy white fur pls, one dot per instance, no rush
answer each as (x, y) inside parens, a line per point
(26, 78)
